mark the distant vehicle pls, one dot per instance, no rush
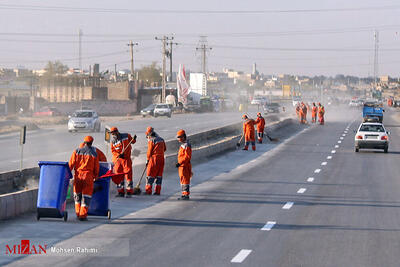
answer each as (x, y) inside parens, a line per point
(354, 103)
(206, 105)
(371, 135)
(272, 108)
(258, 100)
(84, 120)
(148, 111)
(296, 100)
(162, 110)
(371, 109)
(47, 111)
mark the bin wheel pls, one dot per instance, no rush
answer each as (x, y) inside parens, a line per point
(65, 216)
(109, 214)
(37, 216)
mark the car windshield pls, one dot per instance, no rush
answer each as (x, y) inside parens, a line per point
(162, 106)
(83, 114)
(372, 128)
(150, 107)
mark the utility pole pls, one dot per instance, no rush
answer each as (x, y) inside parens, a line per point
(164, 40)
(115, 69)
(203, 47)
(80, 33)
(131, 44)
(170, 59)
(376, 62)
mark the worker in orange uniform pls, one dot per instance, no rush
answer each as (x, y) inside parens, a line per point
(260, 121)
(121, 147)
(321, 113)
(85, 162)
(248, 133)
(314, 110)
(100, 154)
(298, 110)
(184, 166)
(155, 161)
(304, 113)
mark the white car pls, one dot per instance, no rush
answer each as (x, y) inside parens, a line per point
(84, 120)
(371, 135)
(162, 110)
(258, 101)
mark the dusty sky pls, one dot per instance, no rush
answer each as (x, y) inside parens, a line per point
(332, 37)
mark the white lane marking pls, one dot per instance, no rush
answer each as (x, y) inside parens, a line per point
(317, 171)
(336, 146)
(333, 151)
(339, 142)
(268, 226)
(310, 179)
(341, 138)
(241, 256)
(301, 190)
(329, 157)
(288, 205)
(343, 135)
(324, 163)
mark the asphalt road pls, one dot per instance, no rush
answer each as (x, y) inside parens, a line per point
(310, 201)
(56, 143)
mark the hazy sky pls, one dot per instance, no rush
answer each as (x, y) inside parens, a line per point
(326, 42)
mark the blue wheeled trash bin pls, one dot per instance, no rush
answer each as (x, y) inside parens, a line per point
(53, 187)
(100, 203)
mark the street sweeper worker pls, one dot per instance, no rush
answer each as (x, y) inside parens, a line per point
(85, 163)
(314, 111)
(321, 114)
(155, 161)
(100, 154)
(248, 133)
(260, 121)
(121, 147)
(184, 166)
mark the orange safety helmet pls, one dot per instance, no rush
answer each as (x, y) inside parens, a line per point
(245, 116)
(180, 133)
(113, 130)
(149, 130)
(88, 139)
(259, 114)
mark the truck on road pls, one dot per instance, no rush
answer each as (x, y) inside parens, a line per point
(372, 111)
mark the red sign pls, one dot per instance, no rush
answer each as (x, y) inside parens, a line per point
(25, 248)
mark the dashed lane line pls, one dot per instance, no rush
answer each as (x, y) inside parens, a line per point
(329, 157)
(288, 205)
(339, 142)
(241, 256)
(310, 179)
(324, 163)
(336, 146)
(333, 151)
(268, 226)
(317, 171)
(301, 190)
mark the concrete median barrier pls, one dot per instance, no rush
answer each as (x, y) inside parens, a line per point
(205, 145)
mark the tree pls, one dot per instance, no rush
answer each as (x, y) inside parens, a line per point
(150, 74)
(55, 68)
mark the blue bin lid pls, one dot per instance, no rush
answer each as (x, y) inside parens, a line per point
(63, 163)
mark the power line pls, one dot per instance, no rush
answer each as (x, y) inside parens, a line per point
(193, 11)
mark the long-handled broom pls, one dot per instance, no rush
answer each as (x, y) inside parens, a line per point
(137, 190)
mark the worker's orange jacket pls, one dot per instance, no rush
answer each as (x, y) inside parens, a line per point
(85, 163)
(184, 157)
(248, 130)
(155, 156)
(260, 121)
(100, 154)
(121, 144)
(314, 111)
(321, 112)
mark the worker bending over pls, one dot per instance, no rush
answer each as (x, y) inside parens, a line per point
(248, 133)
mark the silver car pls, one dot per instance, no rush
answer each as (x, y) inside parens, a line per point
(84, 120)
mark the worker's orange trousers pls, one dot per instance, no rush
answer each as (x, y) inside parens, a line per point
(185, 174)
(83, 190)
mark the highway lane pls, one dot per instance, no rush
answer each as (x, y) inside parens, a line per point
(55, 143)
(305, 203)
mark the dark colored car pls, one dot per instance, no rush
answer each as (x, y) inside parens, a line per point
(148, 111)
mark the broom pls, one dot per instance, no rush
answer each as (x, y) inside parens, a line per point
(238, 143)
(270, 138)
(137, 190)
